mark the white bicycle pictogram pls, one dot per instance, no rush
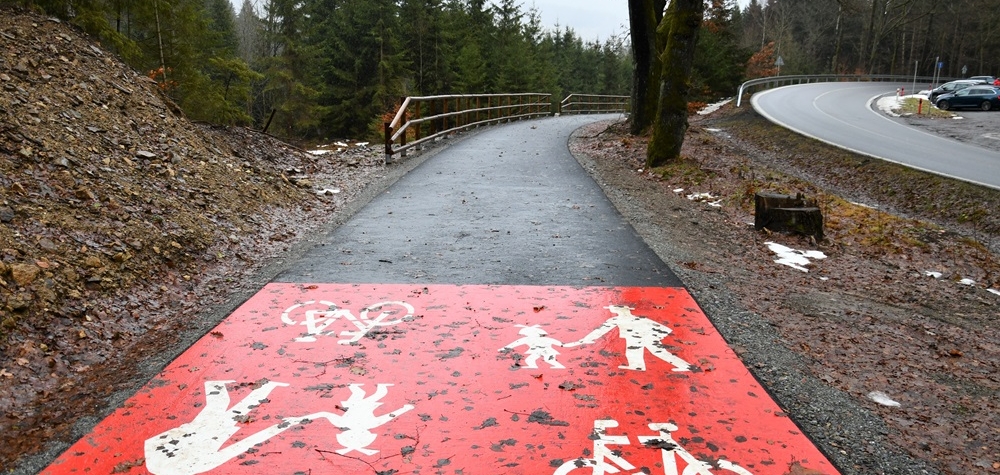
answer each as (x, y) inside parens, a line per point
(317, 321)
(607, 461)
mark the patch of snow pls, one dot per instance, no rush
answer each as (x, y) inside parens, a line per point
(714, 107)
(341, 144)
(936, 275)
(714, 130)
(967, 282)
(794, 258)
(700, 196)
(993, 291)
(883, 399)
(319, 152)
(678, 190)
(362, 144)
(889, 105)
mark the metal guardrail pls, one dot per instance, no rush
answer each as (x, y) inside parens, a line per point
(777, 81)
(428, 118)
(594, 104)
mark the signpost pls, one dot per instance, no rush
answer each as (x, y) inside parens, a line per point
(400, 379)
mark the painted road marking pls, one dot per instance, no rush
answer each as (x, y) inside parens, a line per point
(408, 379)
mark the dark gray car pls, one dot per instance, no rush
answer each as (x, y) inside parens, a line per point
(979, 97)
(951, 88)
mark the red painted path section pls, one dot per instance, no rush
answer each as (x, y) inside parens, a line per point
(409, 379)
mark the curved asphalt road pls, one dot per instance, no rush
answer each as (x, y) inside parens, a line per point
(512, 207)
(841, 114)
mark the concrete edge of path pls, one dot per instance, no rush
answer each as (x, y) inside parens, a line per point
(783, 373)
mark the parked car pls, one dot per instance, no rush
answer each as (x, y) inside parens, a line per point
(982, 97)
(951, 87)
(985, 79)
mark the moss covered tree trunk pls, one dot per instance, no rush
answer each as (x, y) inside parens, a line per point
(644, 16)
(679, 32)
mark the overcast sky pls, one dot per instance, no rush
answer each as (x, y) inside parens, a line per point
(590, 19)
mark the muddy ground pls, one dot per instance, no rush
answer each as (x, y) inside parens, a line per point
(126, 230)
(905, 302)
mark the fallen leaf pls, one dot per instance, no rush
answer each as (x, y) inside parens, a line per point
(797, 469)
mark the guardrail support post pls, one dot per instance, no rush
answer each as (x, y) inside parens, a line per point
(388, 142)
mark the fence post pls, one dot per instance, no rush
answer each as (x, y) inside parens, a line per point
(402, 139)
(388, 141)
(416, 113)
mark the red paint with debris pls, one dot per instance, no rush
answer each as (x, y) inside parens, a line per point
(439, 379)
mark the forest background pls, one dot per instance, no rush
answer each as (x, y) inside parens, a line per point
(325, 69)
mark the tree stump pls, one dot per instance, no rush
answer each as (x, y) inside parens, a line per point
(787, 214)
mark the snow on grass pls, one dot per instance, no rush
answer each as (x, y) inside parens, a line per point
(882, 398)
(794, 258)
(714, 107)
(706, 198)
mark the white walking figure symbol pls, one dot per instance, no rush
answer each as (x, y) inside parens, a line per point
(539, 346)
(607, 460)
(196, 447)
(359, 418)
(640, 334)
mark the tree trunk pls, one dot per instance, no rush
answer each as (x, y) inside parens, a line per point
(159, 41)
(835, 63)
(787, 214)
(644, 16)
(679, 30)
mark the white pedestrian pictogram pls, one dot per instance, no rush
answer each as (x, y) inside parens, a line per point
(359, 418)
(640, 334)
(607, 460)
(539, 346)
(316, 321)
(197, 446)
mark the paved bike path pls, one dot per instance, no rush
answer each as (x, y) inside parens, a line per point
(490, 313)
(509, 206)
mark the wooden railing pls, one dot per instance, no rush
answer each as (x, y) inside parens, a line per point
(423, 119)
(594, 104)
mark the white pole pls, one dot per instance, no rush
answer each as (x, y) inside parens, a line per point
(937, 70)
(915, 65)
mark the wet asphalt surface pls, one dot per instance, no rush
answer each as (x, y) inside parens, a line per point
(511, 207)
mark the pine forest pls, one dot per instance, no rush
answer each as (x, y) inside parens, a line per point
(326, 69)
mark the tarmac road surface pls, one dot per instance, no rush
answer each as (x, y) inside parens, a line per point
(511, 206)
(841, 114)
(490, 313)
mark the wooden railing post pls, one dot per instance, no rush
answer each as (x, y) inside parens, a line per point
(402, 138)
(388, 140)
(416, 113)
